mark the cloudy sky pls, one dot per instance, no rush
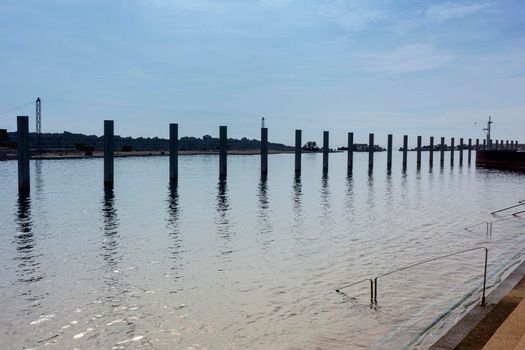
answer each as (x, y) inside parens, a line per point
(388, 66)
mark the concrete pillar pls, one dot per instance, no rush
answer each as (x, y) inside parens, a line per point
(507, 145)
(405, 150)
(298, 152)
(490, 144)
(325, 150)
(223, 151)
(370, 151)
(469, 155)
(109, 148)
(431, 152)
(418, 159)
(452, 151)
(497, 145)
(174, 152)
(511, 144)
(477, 145)
(264, 151)
(442, 152)
(461, 151)
(350, 152)
(389, 153)
(484, 144)
(22, 140)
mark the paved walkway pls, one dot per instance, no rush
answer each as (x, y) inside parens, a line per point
(511, 333)
(503, 328)
(500, 324)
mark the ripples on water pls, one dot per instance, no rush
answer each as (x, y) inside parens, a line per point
(247, 262)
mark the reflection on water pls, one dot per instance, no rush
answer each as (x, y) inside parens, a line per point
(326, 203)
(263, 193)
(39, 178)
(297, 191)
(223, 219)
(264, 222)
(110, 242)
(174, 212)
(263, 217)
(223, 208)
(297, 202)
(28, 265)
(349, 196)
(253, 261)
(110, 249)
(389, 194)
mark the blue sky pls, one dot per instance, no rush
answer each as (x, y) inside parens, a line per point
(402, 67)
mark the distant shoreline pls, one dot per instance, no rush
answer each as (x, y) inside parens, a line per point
(74, 154)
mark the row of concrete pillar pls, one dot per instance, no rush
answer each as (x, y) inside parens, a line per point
(298, 149)
(23, 151)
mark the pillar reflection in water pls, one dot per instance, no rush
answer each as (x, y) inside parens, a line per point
(297, 201)
(39, 178)
(370, 201)
(349, 198)
(116, 289)
(223, 221)
(263, 217)
(326, 203)
(174, 213)
(109, 251)
(389, 193)
(28, 265)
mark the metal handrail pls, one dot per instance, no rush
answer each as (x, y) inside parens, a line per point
(373, 282)
(513, 206)
(493, 221)
(481, 223)
(338, 290)
(483, 299)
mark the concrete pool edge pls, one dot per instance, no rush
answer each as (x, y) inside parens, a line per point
(453, 337)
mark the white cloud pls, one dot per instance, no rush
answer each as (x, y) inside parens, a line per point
(453, 10)
(276, 3)
(405, 59)
(197, 6)
(351, 15)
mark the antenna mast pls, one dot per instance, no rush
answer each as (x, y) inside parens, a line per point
(487, 130)
(38, 124)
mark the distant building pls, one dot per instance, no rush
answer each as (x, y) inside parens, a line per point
(3, 136)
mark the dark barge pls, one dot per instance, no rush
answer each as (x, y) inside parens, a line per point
(496, 159)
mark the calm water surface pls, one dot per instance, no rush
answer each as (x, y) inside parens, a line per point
(247, 263)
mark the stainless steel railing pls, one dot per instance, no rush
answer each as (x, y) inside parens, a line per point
(374, 281)
(522, 202)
